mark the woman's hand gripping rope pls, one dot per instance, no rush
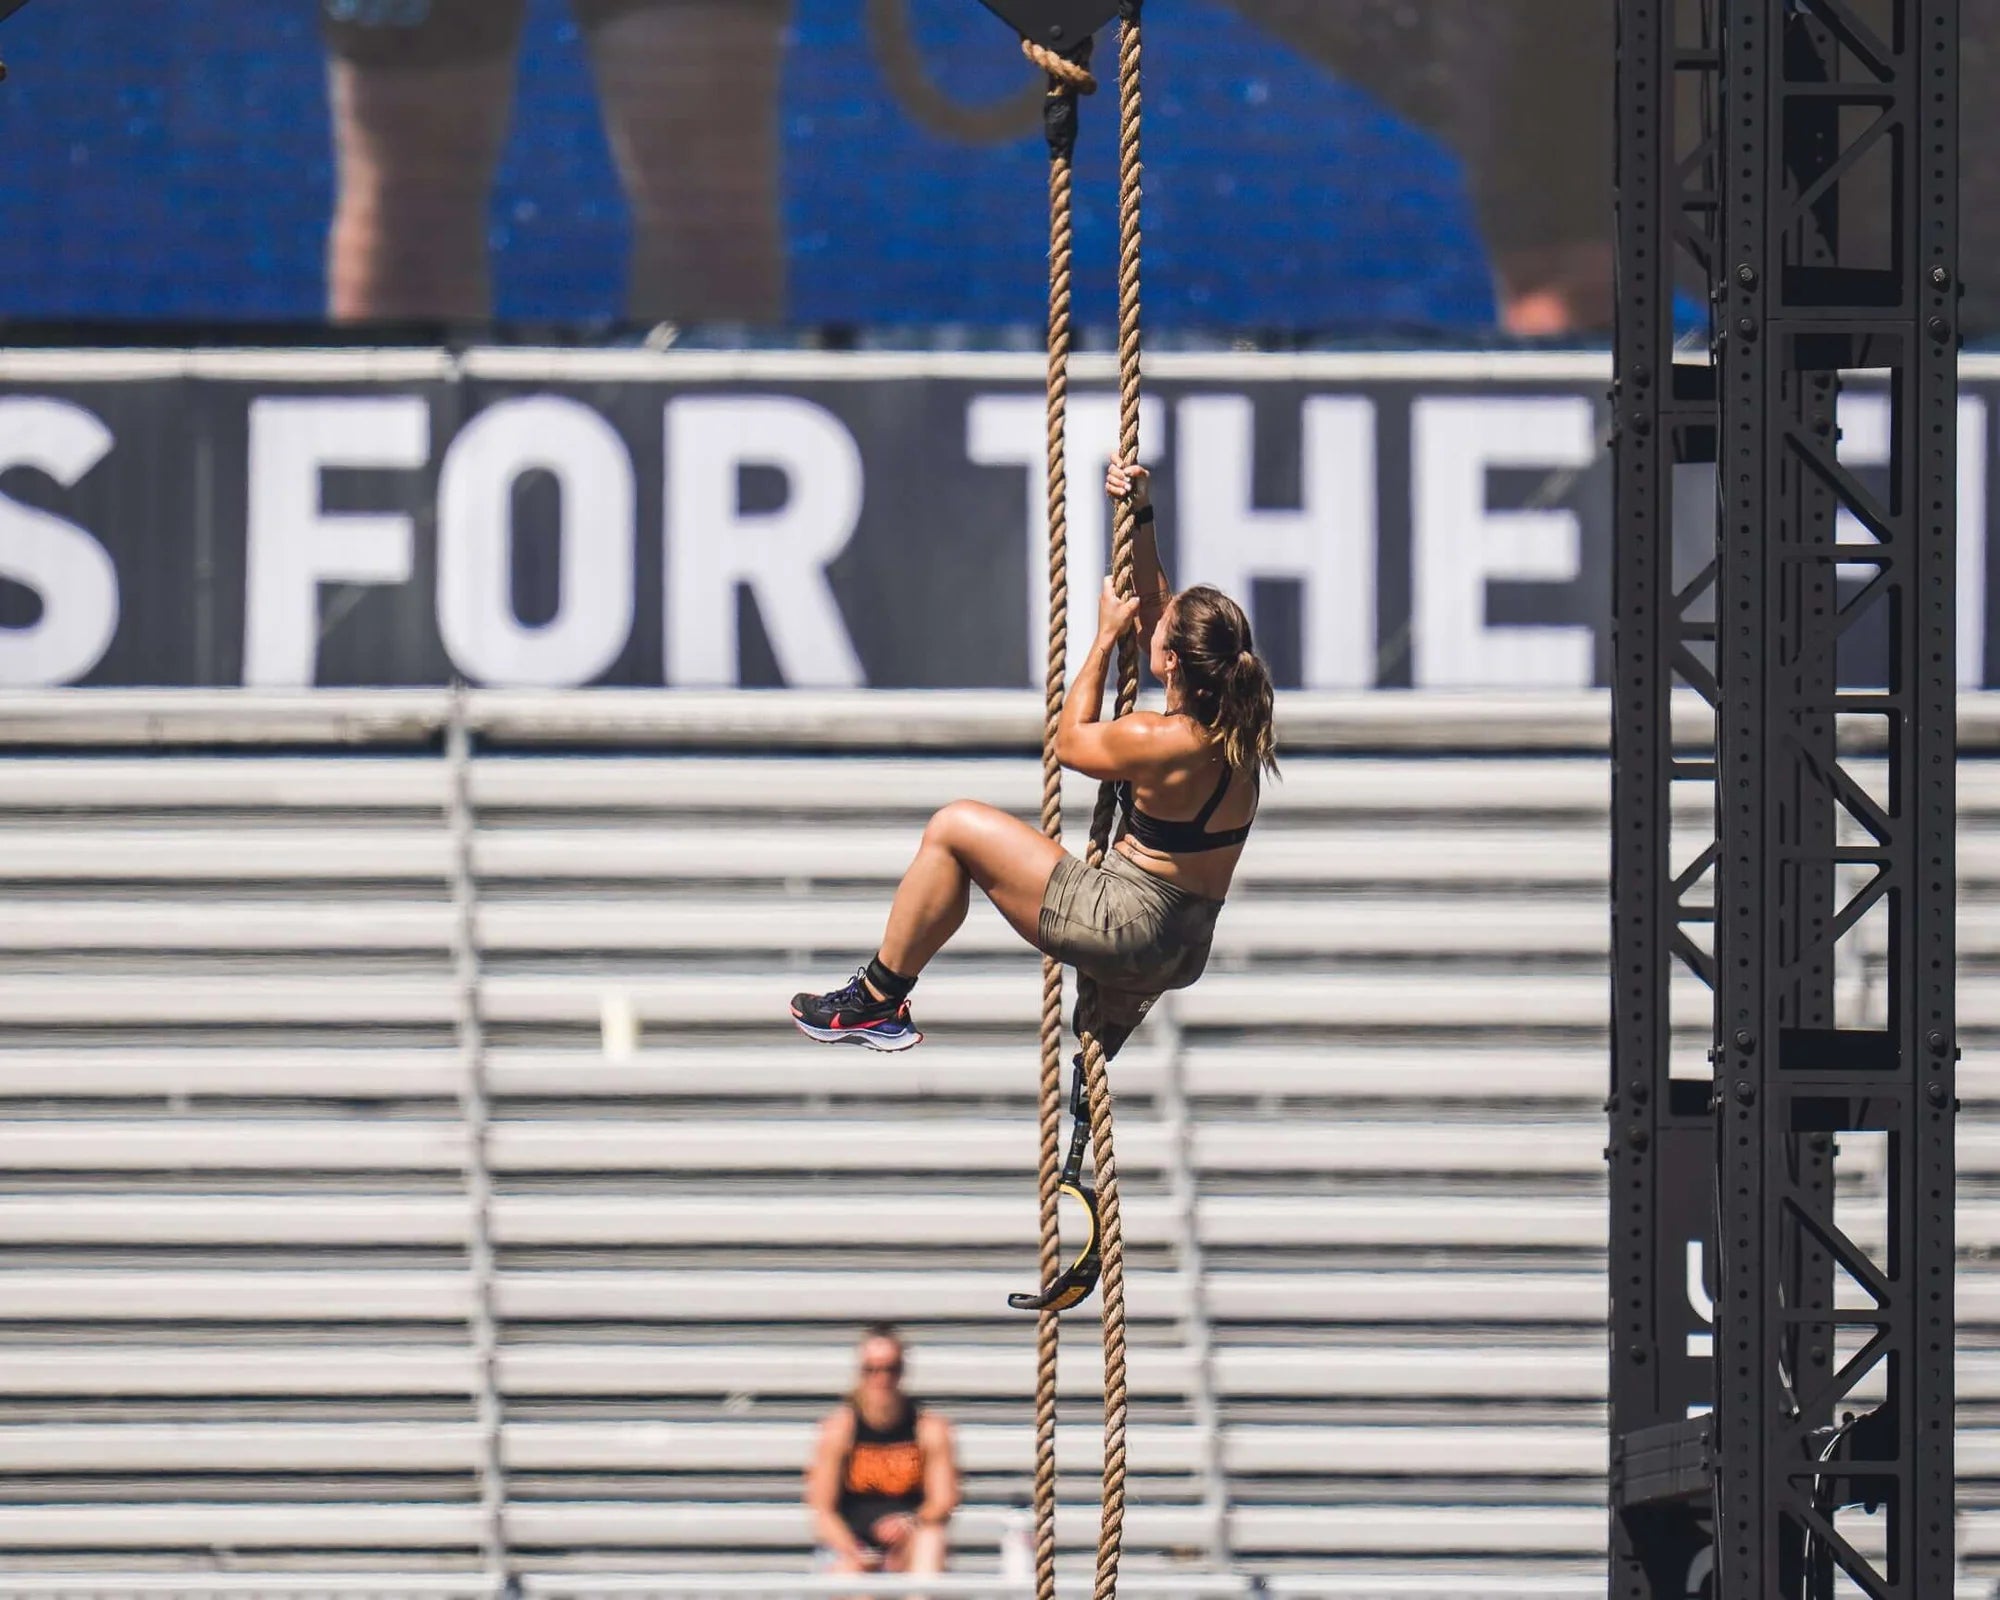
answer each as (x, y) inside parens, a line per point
(1115, 613)
(1128, 479)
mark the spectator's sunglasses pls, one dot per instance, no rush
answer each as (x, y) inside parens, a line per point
(893, 1368)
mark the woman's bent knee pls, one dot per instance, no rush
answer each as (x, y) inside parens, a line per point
(953, 825)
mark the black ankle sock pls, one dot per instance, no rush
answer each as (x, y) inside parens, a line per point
(892, 986)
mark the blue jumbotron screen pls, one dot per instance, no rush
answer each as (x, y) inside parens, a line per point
(1311, 164)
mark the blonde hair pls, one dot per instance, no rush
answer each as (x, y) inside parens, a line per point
(1225, 682)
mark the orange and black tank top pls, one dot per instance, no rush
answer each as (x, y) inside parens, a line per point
(884, 1472)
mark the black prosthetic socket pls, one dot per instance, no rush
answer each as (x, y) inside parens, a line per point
(889, 985)
(1111, 1036)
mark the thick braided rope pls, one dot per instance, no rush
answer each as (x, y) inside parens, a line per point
(1073, 75)
(1062, 242)
(1111, 1530)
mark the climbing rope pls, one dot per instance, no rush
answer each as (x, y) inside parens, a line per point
(1069, 76)
(1060, 111)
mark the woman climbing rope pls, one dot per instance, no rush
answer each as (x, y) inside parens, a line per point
(1189, 781)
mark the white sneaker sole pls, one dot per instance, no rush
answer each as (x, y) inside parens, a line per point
(860, 1036)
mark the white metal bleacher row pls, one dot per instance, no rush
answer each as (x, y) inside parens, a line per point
(236, 1282)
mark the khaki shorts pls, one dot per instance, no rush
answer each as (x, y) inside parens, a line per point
(1136, 934)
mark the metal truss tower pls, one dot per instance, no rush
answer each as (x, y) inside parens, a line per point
(1661, 1243)
(1797, 161)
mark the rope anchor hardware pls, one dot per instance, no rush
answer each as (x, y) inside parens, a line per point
(1062, 23)
(7, 9)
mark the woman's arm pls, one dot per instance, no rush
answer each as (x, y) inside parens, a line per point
(940, 1470)
(1149, 578)
(1126, 747)
(823, 1485)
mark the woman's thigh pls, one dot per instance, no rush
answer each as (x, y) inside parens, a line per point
(1009, 860)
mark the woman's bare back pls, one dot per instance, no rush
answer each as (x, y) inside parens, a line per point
(1177, 794)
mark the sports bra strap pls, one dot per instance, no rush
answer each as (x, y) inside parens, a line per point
(1182, 838)
(1201, 817)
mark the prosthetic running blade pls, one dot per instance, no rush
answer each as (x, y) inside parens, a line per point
(1076, 1282)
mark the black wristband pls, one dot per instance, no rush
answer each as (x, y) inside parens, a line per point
(1143, 514)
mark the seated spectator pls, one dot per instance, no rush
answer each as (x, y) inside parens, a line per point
(883, 1482)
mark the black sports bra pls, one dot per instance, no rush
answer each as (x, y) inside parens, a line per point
(1187, 838)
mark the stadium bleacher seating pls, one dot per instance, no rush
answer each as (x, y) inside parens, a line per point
(232, 1168)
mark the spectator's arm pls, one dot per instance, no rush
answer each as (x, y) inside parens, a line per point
(836, 1438)
(940, 1470)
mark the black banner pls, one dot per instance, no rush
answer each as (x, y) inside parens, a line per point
(549, 520)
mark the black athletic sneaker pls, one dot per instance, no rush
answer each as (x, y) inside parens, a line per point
(851, 1015)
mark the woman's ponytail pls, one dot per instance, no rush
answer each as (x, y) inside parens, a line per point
(1244, 715)
(1227, 685)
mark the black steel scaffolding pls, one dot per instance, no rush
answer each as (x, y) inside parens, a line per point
(1660, 1155)
(1797, 160)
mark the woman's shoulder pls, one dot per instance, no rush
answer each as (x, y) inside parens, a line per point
(1170, 735)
